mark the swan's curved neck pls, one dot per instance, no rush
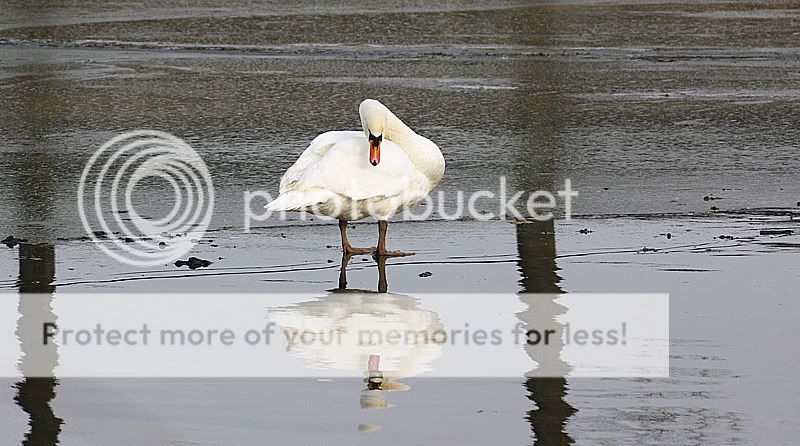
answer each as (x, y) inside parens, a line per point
(425, 155)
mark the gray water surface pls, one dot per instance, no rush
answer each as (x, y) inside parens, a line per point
(647, 108)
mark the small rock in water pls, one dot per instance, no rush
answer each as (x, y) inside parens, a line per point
(798, 203)
(162, 245)
(714, 208)
(193, 263)
(12, 241)
(129, 240)
(330, 261)
(669, 235)
(426, 274)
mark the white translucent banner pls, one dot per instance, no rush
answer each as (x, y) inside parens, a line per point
(340, 334)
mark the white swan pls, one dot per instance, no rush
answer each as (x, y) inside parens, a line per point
(350, 175)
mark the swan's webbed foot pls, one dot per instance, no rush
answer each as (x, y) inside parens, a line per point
(346, 248)
(387, 253)
(351, 250)
(381, 251)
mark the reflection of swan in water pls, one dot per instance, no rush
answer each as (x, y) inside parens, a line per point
(348, 330)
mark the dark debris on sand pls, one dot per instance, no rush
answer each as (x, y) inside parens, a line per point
(776, 232)
(193, 263)
(12, 241)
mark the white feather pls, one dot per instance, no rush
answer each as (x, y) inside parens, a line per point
(333, 176)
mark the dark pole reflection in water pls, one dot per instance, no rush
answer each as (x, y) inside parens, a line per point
(536, 246)
(34, 184)
(34, 394)
(35, 189)
(537, 114)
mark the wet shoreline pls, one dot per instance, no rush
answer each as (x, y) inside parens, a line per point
(230, 253)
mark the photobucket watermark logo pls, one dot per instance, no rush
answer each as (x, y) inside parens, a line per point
(482, 205)
(107, 196)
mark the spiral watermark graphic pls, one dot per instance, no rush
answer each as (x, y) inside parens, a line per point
(152, 160)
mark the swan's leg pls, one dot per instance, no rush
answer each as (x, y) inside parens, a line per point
(383, 225)
(346, 248)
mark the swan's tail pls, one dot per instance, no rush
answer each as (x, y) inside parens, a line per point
(297, 201)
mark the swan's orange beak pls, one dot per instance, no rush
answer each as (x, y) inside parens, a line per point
(374, 152)
(375, 149)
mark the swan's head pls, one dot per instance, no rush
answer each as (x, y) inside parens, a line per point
(373, 120)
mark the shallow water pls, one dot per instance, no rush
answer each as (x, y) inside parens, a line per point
(646, 108)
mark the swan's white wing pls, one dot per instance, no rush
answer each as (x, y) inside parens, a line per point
(315, 151)
(344, 169)
(336, 166)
